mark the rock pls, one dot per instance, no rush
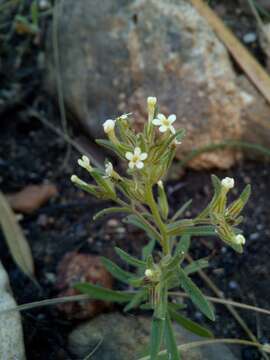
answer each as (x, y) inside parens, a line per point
(31, 198)
(114, 54)
(255, 117)
(75, 268)
(119, 337)
(11, 335)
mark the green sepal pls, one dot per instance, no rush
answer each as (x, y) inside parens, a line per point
(237, 206)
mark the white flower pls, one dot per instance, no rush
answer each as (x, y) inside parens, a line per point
(160, 183)
(228, 183)
(85, 163)
(108, 126)
(165, 123)
(109, 169)
(136, 158)
(240, 239)
(151, 101)
(148, 273)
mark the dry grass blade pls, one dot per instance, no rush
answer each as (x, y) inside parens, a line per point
(15, 239)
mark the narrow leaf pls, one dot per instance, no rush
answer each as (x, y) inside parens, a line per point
(99, 293)
(137, 299)
(128, 258)
(16, 242)
(196, 295)
(116, 271)
(138, 222)
(171, 345)
(183, 245)
(111, 210)
(182, 209)
(148, 249)
(156, 337)
(196, 266)
(189, 324)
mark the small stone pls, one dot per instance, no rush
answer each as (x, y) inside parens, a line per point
(254, 236)
(233, 285)
(249, 38)
(127, 337)
(75, 268)
(11, 336)
(31, 198)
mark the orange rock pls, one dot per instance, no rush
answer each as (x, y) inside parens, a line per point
(76, 268)
(31, 198)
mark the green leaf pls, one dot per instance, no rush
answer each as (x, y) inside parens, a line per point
(156, 337)
(137, 299)
(170, 341)
(182, 209)
(110, 146)
(183, 245)
(148, 249)
(99, 293)
(116, 271)
(138, 222)
(195, 266)
(189, 324)
(128, 258)
(111, 210)
(15, 239)
(203, 230)
(196, 295)
(160, 308)
(34, 13)
(179, 227)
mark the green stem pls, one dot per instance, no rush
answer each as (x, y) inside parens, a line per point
(155, 212)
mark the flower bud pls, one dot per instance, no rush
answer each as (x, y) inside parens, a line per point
(108, 126)
(85, 163)
(240, 239)
(149, 273)
(227, 183)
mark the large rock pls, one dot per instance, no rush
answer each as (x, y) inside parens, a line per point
(119, 337)
(113, 54)
(11, 336)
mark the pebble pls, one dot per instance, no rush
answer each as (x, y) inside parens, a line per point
(249, 38)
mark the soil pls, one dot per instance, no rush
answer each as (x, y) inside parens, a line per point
(31, 154)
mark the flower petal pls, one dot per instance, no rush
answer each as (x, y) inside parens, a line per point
(156, 122)
(139, 164)
(161, 117)
(137, 151)
(143, 156)
(172, 118)
(163, 128)
(129, 155)
(131, 164)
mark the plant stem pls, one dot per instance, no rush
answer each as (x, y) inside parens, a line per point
(155, 212)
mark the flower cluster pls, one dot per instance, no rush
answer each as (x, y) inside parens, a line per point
(141, 195)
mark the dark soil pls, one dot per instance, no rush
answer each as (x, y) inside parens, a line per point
(32, 154)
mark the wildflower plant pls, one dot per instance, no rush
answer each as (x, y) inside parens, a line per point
(148, 156)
